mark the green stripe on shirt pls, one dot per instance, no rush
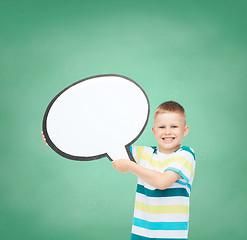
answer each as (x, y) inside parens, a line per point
(169, 192)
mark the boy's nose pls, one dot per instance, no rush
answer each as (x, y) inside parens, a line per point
(167, 131)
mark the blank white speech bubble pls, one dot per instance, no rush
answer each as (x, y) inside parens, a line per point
(99, 116)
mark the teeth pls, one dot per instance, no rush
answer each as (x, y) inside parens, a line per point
(167, 138)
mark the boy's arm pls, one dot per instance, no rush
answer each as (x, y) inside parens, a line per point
(156, 179)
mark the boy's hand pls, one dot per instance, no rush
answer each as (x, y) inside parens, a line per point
(123, 165)
(43, 137)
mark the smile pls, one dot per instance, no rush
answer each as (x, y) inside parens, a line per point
(168, 139)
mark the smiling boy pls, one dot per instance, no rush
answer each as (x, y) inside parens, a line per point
(165, 175)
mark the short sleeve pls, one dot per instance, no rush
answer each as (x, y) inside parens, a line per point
(137, 152)
(183, 162)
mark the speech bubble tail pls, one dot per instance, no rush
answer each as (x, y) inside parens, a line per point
(120, 153)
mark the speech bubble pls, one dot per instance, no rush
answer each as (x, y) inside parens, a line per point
(96, 117)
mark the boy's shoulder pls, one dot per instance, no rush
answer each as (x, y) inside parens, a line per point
(185, 150)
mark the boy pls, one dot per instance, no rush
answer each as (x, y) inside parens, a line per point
(165, 175)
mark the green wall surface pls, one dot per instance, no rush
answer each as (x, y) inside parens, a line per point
(193, 52)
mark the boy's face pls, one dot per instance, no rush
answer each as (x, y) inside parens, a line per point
(169, 129)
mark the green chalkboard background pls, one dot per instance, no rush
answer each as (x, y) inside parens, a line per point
(193, 52)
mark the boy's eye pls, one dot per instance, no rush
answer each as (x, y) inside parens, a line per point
(161, 127)
(174, 126)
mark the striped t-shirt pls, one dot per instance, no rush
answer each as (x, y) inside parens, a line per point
(163, 214)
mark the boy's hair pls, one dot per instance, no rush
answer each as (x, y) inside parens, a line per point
(170, 106)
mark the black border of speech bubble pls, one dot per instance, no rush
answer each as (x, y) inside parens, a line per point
(79, 158)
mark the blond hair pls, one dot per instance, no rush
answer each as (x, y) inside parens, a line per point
(170, 106)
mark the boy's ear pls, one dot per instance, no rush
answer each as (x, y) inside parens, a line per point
(186, 130)
(153, 131)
